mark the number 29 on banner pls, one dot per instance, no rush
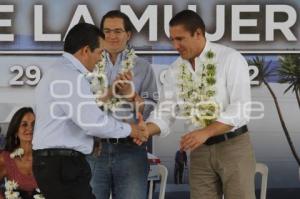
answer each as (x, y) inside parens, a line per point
(30, 75)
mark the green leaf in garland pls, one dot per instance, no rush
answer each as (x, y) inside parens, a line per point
(210, 54)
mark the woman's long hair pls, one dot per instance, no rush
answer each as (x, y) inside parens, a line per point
(12, 141)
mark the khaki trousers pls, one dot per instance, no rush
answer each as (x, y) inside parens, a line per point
(225, 168)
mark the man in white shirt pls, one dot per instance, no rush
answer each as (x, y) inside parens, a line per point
(67, 118)
(208, 86)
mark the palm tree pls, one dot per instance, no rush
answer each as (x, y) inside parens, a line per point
(266, 71)
(289, 72)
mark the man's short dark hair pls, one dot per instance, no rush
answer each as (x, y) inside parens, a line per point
(82, 34)
(190, 20)
(117, 14)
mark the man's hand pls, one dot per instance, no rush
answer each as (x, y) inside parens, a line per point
(196, 138)
(139, 132)
(193, 139)
(107, 95)
(124, 85)
(143, 128)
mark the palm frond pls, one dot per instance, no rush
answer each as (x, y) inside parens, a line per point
(289, 72)
(264, 68)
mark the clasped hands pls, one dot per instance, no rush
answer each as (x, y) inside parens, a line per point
(139, 131)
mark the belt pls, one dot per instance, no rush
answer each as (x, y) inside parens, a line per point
(127, 140)
(226, 136)
(57, 152)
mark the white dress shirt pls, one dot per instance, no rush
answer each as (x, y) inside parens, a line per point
(232, 89)
(67, 115)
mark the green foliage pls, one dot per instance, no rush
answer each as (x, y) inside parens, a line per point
(289, 72)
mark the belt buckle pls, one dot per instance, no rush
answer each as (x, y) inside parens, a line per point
(116, 140)
(226, 137)
(72, 153)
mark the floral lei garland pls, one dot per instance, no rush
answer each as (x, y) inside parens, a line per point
(99, 81)
(198, 95)
(11, 192)
(11, 186)
(19, 152)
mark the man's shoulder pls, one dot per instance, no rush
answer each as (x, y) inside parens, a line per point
(141, 61)
(60, 68)
(175, 64)
(142, 66)
(223, 50)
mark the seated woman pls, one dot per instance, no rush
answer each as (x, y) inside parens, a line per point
(16, 159)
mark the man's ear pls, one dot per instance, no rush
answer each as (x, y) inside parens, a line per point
(199, 33)
(86, 49)
(129, 34)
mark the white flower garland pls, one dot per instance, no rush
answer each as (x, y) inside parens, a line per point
(10, 191)
(200, 105)
(38, 195)
(10, 187)
(99, 82)
(19, 152)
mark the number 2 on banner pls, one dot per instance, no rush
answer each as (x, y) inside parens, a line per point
(32, 74)
(254, 74)
(16, 80)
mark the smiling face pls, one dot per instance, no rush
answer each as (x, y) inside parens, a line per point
(25, 131)
(187, 44)
(116, 37)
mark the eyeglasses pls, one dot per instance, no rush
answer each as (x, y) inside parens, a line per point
(116, 31)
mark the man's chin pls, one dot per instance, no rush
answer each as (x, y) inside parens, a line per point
(114, 50)
(183, 56)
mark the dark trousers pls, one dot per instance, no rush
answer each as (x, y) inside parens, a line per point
(62, 177)
(178, 173)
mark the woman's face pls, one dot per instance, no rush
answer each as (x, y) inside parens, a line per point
(25, 131)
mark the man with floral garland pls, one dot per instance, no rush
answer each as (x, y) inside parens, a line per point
(120, 166)
(68, 119)
(209, 84)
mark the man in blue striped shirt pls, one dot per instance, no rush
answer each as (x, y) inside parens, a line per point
(122, 166)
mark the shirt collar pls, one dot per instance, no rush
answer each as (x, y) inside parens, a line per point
(76, 63)
(121, 56)
(205, 49)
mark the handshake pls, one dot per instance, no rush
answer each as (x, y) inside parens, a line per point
(139, 131)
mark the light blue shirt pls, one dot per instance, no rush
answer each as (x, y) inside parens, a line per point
(144, 82)
(67, 115)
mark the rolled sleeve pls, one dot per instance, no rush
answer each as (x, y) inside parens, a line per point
(162, 114)
(237, 112)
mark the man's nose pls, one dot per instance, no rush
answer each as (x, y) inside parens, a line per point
(112, 34)
(176, 44)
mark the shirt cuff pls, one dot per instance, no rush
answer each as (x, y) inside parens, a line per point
(125, 130)
(164, 128)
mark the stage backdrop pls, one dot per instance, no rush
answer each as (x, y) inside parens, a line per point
(32, 34)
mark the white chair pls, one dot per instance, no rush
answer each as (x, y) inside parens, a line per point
(163, 172)
(263, 170)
